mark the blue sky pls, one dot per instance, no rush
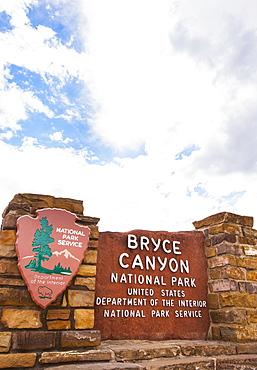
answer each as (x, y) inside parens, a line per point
(145, 110)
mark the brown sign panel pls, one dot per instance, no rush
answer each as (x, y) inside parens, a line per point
(151, 285)
(50, 249)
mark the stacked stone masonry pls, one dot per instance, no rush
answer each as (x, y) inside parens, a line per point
(67, 322)
(231, 251)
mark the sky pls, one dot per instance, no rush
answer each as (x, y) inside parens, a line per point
(143, 109)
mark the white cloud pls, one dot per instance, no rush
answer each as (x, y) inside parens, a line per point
(58, 136)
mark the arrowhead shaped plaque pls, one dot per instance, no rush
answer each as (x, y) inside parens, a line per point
(50, 249)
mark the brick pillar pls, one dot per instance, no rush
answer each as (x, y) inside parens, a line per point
(231, 251)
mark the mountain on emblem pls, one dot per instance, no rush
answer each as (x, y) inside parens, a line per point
(45, 264)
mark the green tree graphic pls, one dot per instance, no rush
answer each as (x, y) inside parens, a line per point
(41, 241)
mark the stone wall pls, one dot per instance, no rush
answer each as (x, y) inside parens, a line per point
(67, 322)
(231, 253)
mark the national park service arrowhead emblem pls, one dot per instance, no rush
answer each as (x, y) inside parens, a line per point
(50, 249)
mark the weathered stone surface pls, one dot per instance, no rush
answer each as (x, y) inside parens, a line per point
(58, 314)
(241, 362)
(224, 217)
(5, 341)
(208, 349)
(222, 261)
(14, 360)
(84, 318)
(69, 356)
(234, 333)
(232, 272)
(93, 243)
(100, 366)
(243, 348)
(248, 262)
(88, 282)
(214, 273)
(210, 252)
(82, 338)
(250, 250)
(235, 316)
(87, 270)
(224, 285)
(226, 248)
(9, 268)
(252, 316)
(224, 227)
(9, 221)
(32, 340)
(249, 232)
(222, 237)
(7, 243)
(238, 300)
(146, 352)
(81, 298)
(213, 301)
(251, 287)
(21, 319)
(87, 220)
(12, 282)
(90, 256)
(199, 363)
(94, 232)
(58, 325)
(246, 240)
(251, 275)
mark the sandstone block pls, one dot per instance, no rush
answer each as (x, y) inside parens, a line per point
(246, 240)
(222, 237)
(213, 301)
(250, 250)
(251, 275)
(251, 287)
(222, 261)
(90, 257)
(249, 232)
(58, 314)
(232, 316)
(246, 348)
(210, 252)
(82, 338)
(252, 316)
(84, 318)
(208, 349)
(237, 362)
(238, 300)
(21, 319)
(87, 270)
(81, 298)
(215, 333)
(94, 232)
(7, 243)
(15, 297)
(87, 220)
(224, 285)
(224, 227)
(146, 352)
(20, 360)
(12, 282)
(9, 268)
(224, 217)
(9, 221)
(226, 248)
(70, 356)
(32, 340)
(88, 282)
(214, 273)
(93, 243)
(58, 325)
(5, 341)
(249, 262)
(232, 272)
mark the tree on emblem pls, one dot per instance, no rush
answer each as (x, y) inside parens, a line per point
(41, 242)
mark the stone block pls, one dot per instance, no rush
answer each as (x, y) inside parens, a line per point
(101, 366)
(232, 272)
(251, 287)
(231, 316)
(58, 314)
(7, 243)
(249, 232)
(222, 237)
(88, 282)
(70, 356)
(246, 240)
(214, 273)
(250, 250)
(224, 217)
(58, 325)
(94, 232)
(226, 248)
(154, 351)
(15, 297)
(220, 261)
(90, 257)
(243, 348)
(93, 243)
(81, 298)
(87, 220)
(12, 282)
(251, 275)
(9, 268)
(32, 340)
(9, 221)
(210, 252)
(249, 262)
(240, 362)
(215, 333)
(213, 301)
(84, 318)
(81, 338)
(87, 270)
(21, 319)
(224, 285)
(238, 300)
(252, 316)
(208, 349)
(5, 341)
(224, 227)
(20, 360)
